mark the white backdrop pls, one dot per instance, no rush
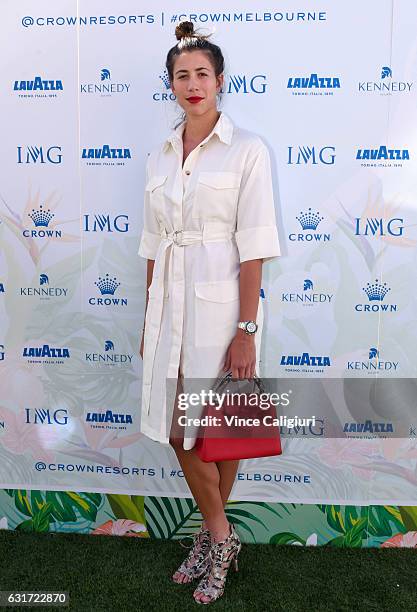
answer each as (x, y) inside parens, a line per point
(325, 89)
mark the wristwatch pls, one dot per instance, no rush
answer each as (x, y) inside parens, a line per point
(250, 327)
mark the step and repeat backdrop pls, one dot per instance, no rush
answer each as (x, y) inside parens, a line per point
(332, 90)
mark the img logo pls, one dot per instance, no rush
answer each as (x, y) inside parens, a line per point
(38, 88)
(376, 293)
(311, 155)
(305, 363)
(313, 85)
(385, 86)
(105, 156)
(107, 287)
(41, 416)
(108, 420)
(41, 219)
(105, 87)
(373, 364)
(109, 356)
(309, 222)
(379, 226)
(45, 354)
(106, 223)
(308, 297)
(382, 157)
(39, 155)
(44, 291)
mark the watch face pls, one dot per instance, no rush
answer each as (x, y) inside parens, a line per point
(251, 327)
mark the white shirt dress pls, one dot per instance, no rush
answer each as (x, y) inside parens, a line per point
(201, 220)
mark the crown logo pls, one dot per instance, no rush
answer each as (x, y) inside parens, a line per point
(373, 352)
(376, 292)
(41, 217)
(308, 284)
(108, 345)
(107, 285)
(165, 79)
(105, 74)
(386, 72)
(43, 279)
(309, 220)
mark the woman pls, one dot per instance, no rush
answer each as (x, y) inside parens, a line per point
(209, 223)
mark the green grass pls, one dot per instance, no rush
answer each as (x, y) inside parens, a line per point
(122, 574)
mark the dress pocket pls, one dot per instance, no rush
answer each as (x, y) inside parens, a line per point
(216, 196)
(156, 189)
(216, 310)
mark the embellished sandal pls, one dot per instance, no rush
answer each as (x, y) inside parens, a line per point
(197, 561)
(221, 555)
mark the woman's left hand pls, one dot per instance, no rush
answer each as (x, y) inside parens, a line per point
(241, 356)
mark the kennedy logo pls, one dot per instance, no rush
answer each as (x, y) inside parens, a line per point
(41, 218)
(313, 85)
(108, 420)
(373, 364)
(106, 223)
(44, 291)
(109, 357)
(38, 88)
(311, 155)
(107, 286)
(105, 155)
(309, 222)
(379, 226)
(384, 156)
(305, 363)
(308, 297)
(376, 293)
(41, 416)
(39, 155)
(386, 85)
(45, 354)
(105, 87)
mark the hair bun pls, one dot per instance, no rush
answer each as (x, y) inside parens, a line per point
(184, 29)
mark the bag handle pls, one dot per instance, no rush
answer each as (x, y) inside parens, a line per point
(228, 377)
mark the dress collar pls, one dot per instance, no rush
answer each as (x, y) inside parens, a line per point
(223, 129)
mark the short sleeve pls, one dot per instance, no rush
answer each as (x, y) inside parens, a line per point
(150, 237)
(256, 230)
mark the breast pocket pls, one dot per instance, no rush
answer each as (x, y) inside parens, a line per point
(156, 190)
(216, 196)
(216, 312)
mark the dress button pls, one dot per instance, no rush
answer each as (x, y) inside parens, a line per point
(187, 172)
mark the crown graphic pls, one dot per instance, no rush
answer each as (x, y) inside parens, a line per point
(309, 220)
(43, 279)
(41, 217)
(165, 79)
(376, 292)
(108, 345)
(373, 352)
(308, 284)
(386, 72)
(105, 74)
(107, 285)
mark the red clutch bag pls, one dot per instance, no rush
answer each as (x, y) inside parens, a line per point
(235, 436)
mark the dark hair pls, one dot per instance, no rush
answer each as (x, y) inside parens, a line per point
(189, 40)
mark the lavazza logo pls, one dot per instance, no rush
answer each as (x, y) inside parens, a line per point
(308, 297)
(385, 85)
(45, 354)
(41, 219)
(309, 222)
(44, 291)
(109, 420)
(109, 357)
(106, 223)
(233, 84)
(45, 416)
(38, 87)
(311, 155)
(305, 363)
(383, 157)
(39, 155)
(108, 287)
(313, 85)
(376, 293)
(105, 87)
(378, 226)
(105, 156)
(373, 364)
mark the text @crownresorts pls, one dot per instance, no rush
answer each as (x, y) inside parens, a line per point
(263, 401)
